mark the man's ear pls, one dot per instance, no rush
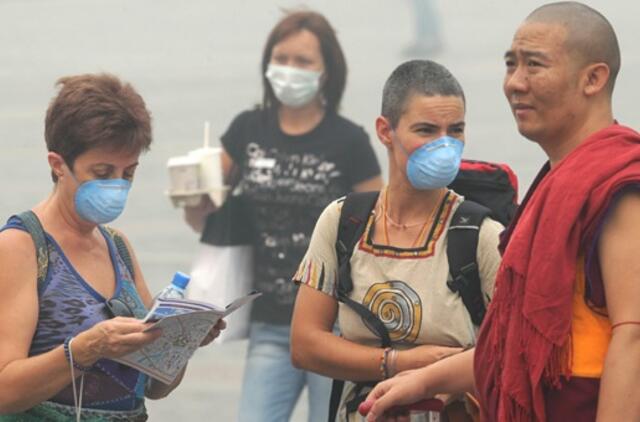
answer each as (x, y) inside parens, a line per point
(383, 130)
(595, 78)
(56, 162)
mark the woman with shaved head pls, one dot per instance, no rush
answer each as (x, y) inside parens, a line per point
(561, 340)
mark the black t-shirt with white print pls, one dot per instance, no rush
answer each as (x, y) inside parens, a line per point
(286, 182)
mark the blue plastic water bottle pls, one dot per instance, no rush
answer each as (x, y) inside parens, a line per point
(176, 290)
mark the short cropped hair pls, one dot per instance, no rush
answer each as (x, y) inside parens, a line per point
(334, 61)
(96, 110)
(589, 34)
(422, 77)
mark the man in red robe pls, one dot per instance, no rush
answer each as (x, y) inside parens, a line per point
(561, 340)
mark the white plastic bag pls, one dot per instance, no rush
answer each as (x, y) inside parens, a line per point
(219, 275)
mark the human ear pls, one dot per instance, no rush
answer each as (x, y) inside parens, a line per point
(56, 162)
(383, 130)
(596, 77)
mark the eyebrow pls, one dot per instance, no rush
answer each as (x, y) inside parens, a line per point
(432, 125)
(527, 54)
(111, 166)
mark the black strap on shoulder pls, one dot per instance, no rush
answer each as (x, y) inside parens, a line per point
(461, 252)
(122, 249)
(353, 220)
(32, 224)
(356, 208)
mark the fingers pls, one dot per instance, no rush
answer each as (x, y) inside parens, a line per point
(371, 407)
(221, 324)
(385, 398)
(214, 333)
(119, 336)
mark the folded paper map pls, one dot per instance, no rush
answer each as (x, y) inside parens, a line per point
(184, 323)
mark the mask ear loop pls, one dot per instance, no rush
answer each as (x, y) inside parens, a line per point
(77, 398)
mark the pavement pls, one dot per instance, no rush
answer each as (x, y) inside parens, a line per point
(199, 60)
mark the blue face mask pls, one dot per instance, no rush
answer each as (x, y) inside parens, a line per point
(435, 164)
(101, 200)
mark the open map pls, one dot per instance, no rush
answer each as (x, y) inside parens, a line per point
(184, 323)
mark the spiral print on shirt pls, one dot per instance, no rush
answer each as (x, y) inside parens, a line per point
(398, 306)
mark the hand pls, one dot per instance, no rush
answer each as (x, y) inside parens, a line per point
(197, 216)
(214, 333)
(406, 388)
(423, 355)
(111, 339)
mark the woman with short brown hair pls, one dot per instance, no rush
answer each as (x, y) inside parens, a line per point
(72, 294)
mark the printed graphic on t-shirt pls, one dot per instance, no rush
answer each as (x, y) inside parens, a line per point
(272, 175)
(398, 306)
(286, 182)
(290, 190)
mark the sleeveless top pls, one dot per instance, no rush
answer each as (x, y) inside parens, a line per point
(68, 305)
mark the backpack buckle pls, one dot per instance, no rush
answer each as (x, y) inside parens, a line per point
(462, 280)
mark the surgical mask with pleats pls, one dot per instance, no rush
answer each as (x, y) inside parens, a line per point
(435, 164)
(101, 201)
(292, 86)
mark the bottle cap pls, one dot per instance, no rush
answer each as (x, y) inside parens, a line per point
(180, 280)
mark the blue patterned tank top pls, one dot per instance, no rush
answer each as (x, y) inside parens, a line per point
(68, 305)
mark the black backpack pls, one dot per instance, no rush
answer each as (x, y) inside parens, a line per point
(489, 190)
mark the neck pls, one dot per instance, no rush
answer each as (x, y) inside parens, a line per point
(557, 149)
(298, 121)
(59, 218)
(407, 205)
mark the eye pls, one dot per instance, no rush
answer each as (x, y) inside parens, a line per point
(534, 63)
(279, 59)
(425, 130)
(102, 175)
(128, 176)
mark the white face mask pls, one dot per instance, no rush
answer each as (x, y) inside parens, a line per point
(293, 87)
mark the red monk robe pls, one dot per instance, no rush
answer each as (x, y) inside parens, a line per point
(542, 345)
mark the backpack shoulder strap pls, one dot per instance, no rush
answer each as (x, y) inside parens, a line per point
(122, 249)
(462, 246)
(34, 228)
(356, 208)
(353, 221)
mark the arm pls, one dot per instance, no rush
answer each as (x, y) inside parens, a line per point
(197, 216)
(26, 381)
(618, 255)
(314, 346)
(453, 375)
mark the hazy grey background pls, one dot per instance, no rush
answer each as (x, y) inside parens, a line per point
(198, 60)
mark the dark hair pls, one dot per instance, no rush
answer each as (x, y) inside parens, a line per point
(423, 77)
(589, 34)
(335, 64)
(92, 111)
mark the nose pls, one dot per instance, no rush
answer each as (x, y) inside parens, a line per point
(516, 81)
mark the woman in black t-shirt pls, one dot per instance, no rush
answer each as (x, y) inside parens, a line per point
(295, 155)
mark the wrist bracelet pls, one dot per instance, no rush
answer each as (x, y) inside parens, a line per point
(384, 368)
(67, 354)
(392, 369)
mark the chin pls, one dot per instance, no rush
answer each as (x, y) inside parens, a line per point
(529, 133)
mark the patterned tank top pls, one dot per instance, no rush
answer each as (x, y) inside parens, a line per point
(68, 305)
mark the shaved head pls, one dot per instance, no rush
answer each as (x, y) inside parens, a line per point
(590, 36)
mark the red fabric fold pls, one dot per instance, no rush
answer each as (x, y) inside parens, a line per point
(525, 338)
